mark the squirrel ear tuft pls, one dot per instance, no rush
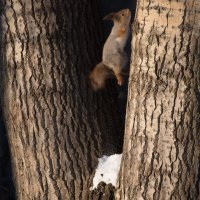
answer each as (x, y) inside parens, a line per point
(109, 16)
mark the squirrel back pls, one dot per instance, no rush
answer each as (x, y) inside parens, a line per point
(114, 58)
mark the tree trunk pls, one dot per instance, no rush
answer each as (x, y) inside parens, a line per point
(161, 155)
(57, 127)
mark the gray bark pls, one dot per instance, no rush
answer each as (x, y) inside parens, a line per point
(57, 127)
(161, 155)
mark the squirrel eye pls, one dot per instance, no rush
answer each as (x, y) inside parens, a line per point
(122, 14)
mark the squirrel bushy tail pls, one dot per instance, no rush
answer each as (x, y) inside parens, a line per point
(99, 75)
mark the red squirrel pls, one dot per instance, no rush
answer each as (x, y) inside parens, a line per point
(114, 57)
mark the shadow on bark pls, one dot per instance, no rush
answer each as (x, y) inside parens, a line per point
(7, 191)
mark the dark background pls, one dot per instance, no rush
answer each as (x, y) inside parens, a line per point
(109, 6)
(6, 184)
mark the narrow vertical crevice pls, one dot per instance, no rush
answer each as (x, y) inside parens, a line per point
(108, 7)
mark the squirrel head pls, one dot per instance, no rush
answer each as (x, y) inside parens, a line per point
(119, 17)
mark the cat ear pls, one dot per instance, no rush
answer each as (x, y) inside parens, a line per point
(109, 16)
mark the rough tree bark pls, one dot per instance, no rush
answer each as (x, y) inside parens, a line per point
(161, 155)
(55, 123)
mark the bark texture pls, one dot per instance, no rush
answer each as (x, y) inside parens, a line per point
(161, 155)
(55, 123)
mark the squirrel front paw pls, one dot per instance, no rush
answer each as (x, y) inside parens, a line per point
(120, 80)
